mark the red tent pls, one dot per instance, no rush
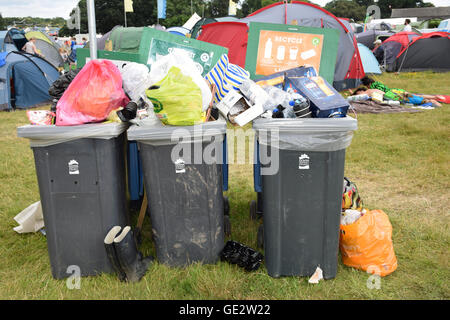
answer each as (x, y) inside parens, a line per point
(231, 35)
(404, 38)
(423, 36)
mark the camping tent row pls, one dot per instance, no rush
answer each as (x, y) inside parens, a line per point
(408, 51)
(24, 80)
(14, 40)
(368, 37)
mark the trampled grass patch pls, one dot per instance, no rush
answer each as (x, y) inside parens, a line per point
(400, 163)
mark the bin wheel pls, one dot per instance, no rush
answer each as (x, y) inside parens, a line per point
(253, 209)
(226, 206)
(227, 225)
(260, 237)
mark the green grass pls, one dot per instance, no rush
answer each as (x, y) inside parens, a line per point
(400, 163)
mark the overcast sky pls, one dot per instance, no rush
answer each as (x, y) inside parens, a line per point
(62, 8)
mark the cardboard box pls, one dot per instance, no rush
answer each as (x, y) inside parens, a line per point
(234, 98)
(325, 100)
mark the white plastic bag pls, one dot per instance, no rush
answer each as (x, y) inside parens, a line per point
(181, 60)
(30, 219)
(135, 77)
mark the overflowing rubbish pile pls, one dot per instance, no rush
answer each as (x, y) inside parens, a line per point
(175, 92)
(150, 101)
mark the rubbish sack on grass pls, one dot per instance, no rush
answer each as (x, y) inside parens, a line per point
(30, 219)
(181, 60)
(245, 257)
(177, 100)
(317, 276)
(367, 244)
(92, 95)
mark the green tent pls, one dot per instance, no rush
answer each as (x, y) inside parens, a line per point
(42, 36)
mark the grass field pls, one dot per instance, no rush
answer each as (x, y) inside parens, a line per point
(400, 163)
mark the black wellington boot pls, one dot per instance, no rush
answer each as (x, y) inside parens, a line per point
(111, 252)
(130, 259)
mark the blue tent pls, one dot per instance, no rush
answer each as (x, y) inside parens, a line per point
(179, 31)
(25, 80)
(369, 62)
(12, 39)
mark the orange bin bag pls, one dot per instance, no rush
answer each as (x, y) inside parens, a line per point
(367, 244)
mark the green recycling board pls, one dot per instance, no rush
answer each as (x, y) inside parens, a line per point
(118, 58)
(277, 47)
(157, 43)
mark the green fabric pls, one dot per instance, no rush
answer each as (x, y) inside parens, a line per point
(389, 94)
(126, 39)
(178, 100)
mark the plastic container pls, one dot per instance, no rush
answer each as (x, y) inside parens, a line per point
(358, 97)
(184, 189)
(301, 192)
(81, 176)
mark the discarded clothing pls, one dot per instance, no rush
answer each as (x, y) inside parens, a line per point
(226, 76)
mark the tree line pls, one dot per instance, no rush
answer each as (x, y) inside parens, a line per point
(110, 13)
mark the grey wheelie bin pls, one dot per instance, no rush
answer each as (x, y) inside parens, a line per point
(183, 181)
(81, 176)
(302, 170)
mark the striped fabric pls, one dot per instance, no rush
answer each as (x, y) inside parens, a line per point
(226, 76)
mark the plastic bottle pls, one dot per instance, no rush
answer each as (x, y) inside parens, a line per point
(278, 96)
(392, 102)
(268, 49)
(280, 52)
(255, 94)
(288, 112)
(358, 97)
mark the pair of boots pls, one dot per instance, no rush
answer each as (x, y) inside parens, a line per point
(127, 261)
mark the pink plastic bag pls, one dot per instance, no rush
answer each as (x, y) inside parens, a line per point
(92, 95)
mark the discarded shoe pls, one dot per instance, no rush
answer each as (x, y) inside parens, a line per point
(111, 252)
(131, 260)
(245, 257)
(128, 112)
